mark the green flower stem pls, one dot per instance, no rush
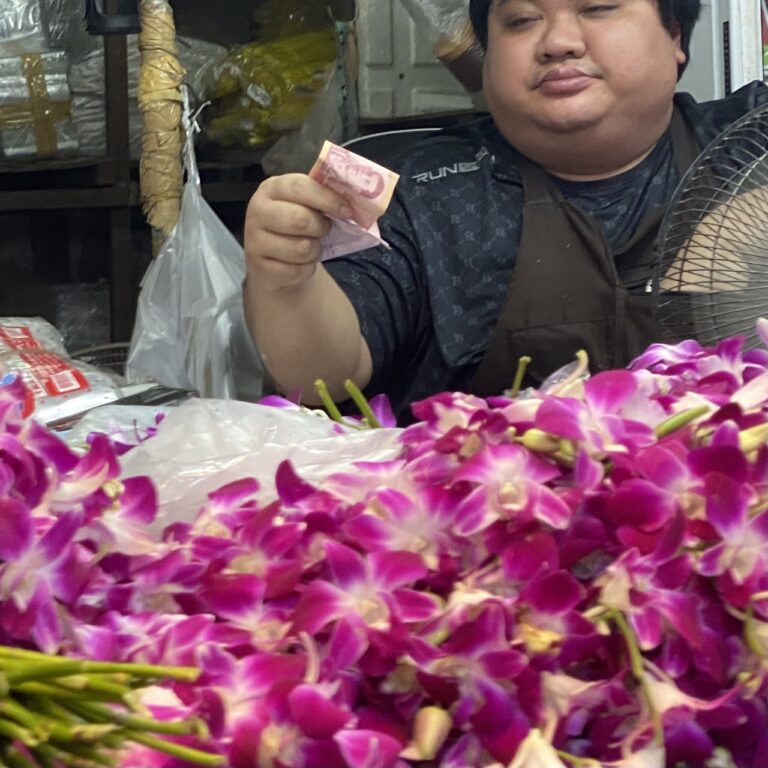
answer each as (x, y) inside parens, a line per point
(680, 420)
(73, 758)
(6, 652)
(50, 709)
(92, 755)
(325, 398)
(362, 403)
(95, 712)
(13, 710)
(92, 684)
(16, 732)
(176, 750)
(47, 729)
(59, 692)
(16, 673)
(638, 670)
(522, 368)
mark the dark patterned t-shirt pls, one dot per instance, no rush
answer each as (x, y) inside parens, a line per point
(427, 306)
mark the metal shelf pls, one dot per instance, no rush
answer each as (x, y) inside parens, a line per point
(91, 183)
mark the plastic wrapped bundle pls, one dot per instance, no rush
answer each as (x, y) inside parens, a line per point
(265, 90)
(35, 107)
(23, 27)
(66, 28)
(86, 80)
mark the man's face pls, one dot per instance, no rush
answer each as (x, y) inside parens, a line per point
(558, 66)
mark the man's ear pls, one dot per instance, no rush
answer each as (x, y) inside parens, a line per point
(677, 40)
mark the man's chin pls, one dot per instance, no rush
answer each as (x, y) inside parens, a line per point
(568, 122)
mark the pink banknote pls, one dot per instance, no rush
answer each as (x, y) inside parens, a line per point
(367, 186)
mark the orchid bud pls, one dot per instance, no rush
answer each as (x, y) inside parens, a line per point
(430, 731)
(536, 752)
(753, 438)
(540, 442)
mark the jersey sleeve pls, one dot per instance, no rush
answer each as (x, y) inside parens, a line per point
(387, 289)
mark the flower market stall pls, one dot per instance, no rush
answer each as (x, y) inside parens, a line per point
(568, 577)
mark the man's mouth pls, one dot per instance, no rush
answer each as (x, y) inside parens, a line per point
(564, 81)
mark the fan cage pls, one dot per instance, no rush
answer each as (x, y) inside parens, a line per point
(711, 273)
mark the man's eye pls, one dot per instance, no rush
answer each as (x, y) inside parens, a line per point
(518, 22)
(598, 9)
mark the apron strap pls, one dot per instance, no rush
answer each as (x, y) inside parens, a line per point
(686, 146)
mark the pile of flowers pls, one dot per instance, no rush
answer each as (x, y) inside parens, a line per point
(576, 577)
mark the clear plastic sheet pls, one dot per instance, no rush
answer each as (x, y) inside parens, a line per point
(189, 330)
(23, 27)
(35, 106)
(205, 444)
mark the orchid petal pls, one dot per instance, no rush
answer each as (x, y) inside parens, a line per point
(609, 390)
(315, 714)
(17, 529)
(396, 569)
(346, 565)
(367, 749)
(727, 503)
(726, 459)
(553, 593)
(548, 507)
(529, 554)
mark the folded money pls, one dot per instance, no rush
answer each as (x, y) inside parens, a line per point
(367, 187)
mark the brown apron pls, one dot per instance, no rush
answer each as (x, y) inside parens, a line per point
(566, 293)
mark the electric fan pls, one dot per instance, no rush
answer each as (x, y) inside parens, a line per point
(711, 272)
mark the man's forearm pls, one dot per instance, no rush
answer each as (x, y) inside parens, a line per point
(308, 333)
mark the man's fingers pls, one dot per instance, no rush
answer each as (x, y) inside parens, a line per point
(287, 218)
(286, 249)
(301, 189)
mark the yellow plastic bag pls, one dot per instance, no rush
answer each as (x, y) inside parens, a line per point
(264, 90)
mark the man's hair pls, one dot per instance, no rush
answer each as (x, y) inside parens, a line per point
(675, 14)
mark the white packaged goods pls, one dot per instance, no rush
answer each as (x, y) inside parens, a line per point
(57, 385)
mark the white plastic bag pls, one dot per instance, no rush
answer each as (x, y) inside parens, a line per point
(190, 330)
(446, 18)
(205, 444)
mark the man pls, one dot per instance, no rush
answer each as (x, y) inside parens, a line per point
(540, 245)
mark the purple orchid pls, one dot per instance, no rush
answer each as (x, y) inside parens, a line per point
(372, 589)
(509, 484)
(570, 577)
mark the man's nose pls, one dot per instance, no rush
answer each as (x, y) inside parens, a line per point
(562, 38)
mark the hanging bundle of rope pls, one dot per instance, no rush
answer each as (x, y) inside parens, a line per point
(161, 104)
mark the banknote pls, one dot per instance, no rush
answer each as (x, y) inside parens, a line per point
(367, 186)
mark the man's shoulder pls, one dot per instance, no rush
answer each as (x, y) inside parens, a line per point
(447, 153)
(711, 118)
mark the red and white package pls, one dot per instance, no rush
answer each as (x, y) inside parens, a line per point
(58, 386)
(20, 333)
